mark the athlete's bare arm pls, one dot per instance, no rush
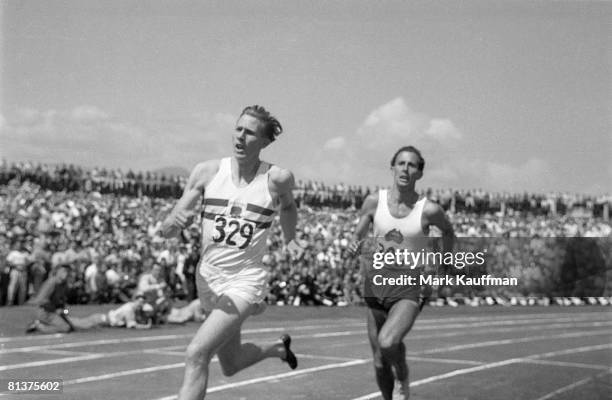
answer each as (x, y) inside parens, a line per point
(433, 215)
(183, 212)
(281, 184)
(366, 218)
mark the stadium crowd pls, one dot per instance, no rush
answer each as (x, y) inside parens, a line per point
(103, 223)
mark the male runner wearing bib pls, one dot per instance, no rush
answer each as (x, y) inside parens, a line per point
(401, 221)
(238, 197)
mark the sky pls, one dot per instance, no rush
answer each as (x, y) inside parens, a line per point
(505, 96)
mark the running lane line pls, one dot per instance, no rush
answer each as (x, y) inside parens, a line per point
(574, 385)
(497, 364)
(277, 376)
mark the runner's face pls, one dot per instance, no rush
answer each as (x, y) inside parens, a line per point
(406, 169)
(248, 138)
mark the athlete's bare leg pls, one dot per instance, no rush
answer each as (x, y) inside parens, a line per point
(57, 326)
(382, 367)
(220, 333)
(399, 321)
(92, 321)
(224, 321)
(235, 356)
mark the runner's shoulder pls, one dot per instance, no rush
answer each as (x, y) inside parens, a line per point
(203, 173)
(281, 178)
(431, 208)
(370, 203)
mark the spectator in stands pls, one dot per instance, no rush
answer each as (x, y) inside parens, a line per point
(68, 214)
(18, 261)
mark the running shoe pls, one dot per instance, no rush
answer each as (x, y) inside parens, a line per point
(290, 357)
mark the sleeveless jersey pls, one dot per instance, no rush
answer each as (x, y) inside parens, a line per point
(391, 234)
(235, 220)
(398, 233)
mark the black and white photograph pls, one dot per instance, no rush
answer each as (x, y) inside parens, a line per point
(316, 200)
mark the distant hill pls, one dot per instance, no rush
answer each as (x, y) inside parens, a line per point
(172, 171)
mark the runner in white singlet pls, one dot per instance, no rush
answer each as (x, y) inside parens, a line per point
(401, 221)
(237, 198)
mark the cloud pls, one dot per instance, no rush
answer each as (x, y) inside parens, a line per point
(335, 143)
(88, 114)
(89, 135)
(396, 121)
(393, 120)
(443, 129)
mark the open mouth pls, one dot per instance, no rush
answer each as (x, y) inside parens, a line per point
(239, 147)
(404, 180)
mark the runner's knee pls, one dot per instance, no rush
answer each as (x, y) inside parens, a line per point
(197, 355)
(389, 342)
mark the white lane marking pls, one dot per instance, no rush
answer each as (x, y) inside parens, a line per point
(454, 334)
(480, 367)
(411, 337)
(431, 351)
(445, 360)
(150, 339)
(605, 314)
(176, 365)
(33, 337)
(330, 334)
(50, 362)
(511, 341)
(64, 352)
(319, 357)
(485, 331)
(451, 374)
(484, 367)
(247, 331)
(166, 352)
(506, 322)
(277, 376)
(566, 364)
(64, 360)
(123, 373)
(171, 348)
(571, 351)
(423, 320)
(95, 343)
(573, 385)
(244, 331)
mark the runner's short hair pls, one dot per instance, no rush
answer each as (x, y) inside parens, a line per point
(272, 128)
(410, 149)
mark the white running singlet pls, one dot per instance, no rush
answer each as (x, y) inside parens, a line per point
(399, 233)
(235, 228)
(391, 234)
